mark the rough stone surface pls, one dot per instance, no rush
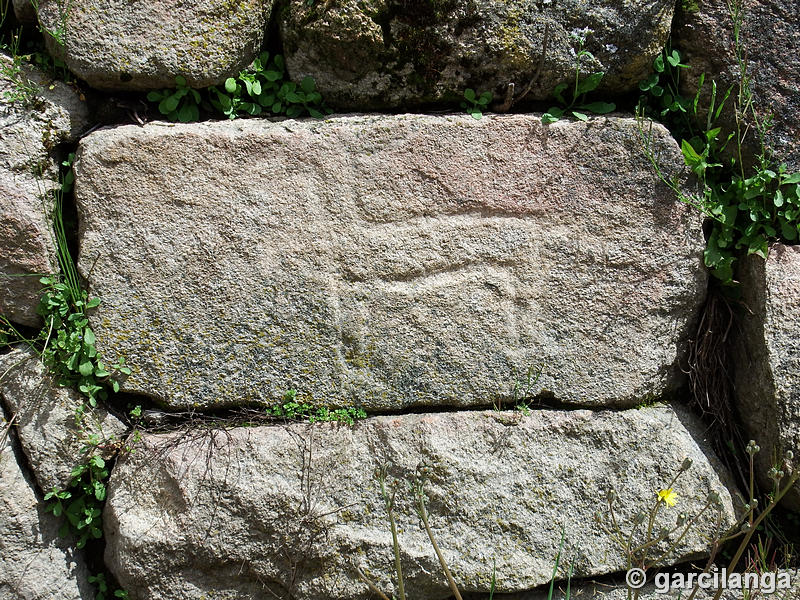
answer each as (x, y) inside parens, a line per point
(45, 419)
(771, 33)
(398, 53)
(27, 249)
(35, 563)
(228, 513)
(29, 134)
(141, 45)
(768, 358)
(388, 261)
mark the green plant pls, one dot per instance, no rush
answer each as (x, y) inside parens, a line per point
(54, 67)
(264, 87)
(59, 32)
(555, 570)
(179, 104)
(9, 335)
(418, 492)
(690, 6)
(523, 389)
(388, 502)
(648, 543)
(22, 90)
(661, 92)
(475, 105)
(493, 582)
(66, 345)
(101, 585)
(68, 179)
(69, 350)
(69, 343)
(81, 503)
(748, 524)
(749, 213)
(749, 206)
(575, 102)
(293, 410)
(7, 331)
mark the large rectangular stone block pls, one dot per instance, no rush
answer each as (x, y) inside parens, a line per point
(291, 510)
(388, 261)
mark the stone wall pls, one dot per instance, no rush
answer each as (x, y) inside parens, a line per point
(512, 303)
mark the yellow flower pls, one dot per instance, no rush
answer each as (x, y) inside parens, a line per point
(667, 496)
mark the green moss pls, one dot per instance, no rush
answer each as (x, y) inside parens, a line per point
(648, 401)
(513, 41)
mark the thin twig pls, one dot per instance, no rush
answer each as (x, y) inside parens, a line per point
(371, 585)
(539, 67)
(424, 516)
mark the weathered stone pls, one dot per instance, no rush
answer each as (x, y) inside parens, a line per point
(31, 125)
(35, 564)
(388, 261)
(768, 359)
(399, 53)
(770, 32)
(233, 512)
(24, 11)
(27, 249)
(141, 45)
(30, 130)
(46, 420)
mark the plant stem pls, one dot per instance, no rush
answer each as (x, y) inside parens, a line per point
(371, 585)
(734, 561)
(398, 566)
(424, 516)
